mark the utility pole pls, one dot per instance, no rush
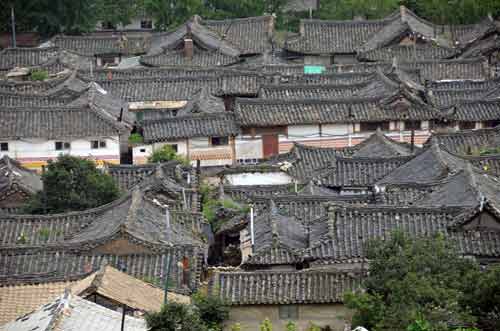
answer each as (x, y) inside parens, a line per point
(169, 255)
(13, 25)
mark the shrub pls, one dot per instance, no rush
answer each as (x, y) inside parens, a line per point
(166, 153)
(39, 75)
(291, 326)
(213, 312)
(236, 327)
(175, 317)
(135, 138)
(266, 325)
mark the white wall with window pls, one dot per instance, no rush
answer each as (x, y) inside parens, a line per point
(33, 153)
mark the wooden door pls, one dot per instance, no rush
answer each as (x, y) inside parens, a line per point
(270, 144)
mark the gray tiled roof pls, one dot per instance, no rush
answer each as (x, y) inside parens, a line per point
(251, 112)
(379, 145)
(475, 110)
(206, 125)
(328, 37)
(305, 160)
(432, 164)
(98, 45)
(282, 287)
(35, 265)
(468, 188)
(358, 171)
(408, 53)
(201, 58)
(12, 173)
(9, 99)
(305, 91)
(26, 57)
(32, 87)
(467, 141)
(57, 122)
(353, 226)
(273, 228)
(69, 312)
(251, 35)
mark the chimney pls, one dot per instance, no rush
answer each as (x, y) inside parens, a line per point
(402, 12)
(188, 48)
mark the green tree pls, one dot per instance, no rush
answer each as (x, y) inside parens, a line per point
(483, 297)
(164, 154)
(71, 183)
(169, 14)
(411, 280)
(175, 317)
(117, 11)
(49, 17)
(213, 312)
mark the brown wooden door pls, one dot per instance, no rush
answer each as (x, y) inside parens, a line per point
(270, 144)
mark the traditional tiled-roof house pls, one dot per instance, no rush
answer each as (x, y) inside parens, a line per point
(302, 296)
(467, 141)
(104, 49)
(17, 185)
(134, 234)
(95, 125)
(402, 34)
(70, 312)
(107, 287)
(201, 130)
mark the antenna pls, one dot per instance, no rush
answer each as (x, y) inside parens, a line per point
(252, 234)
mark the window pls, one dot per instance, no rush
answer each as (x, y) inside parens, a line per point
(491, 124)
(146, 24)
(107, 26)
(219, 141)
(62, 145)
(467, 125)
(4, 147)
(96, 144)
(107, 59)
(413, 125)
(289, 312)
(373, 126)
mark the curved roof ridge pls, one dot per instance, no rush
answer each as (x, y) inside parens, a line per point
(102, 208)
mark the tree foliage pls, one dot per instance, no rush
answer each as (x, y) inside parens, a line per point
(77, 16)
(71, 183)
(175, 317)
(213, 312)
(415, 280)
(205, 314)
(164, 154)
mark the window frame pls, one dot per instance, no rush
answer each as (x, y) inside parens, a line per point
(149, 25)
(98, 144)
(467, 125)
(65, 145)
(288, 312)
(226, 138)
(383, 125)
(2, 145)
(408, 125)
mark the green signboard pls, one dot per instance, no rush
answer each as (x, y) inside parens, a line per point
(314, 69)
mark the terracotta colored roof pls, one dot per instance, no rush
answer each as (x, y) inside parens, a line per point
(125, 289)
